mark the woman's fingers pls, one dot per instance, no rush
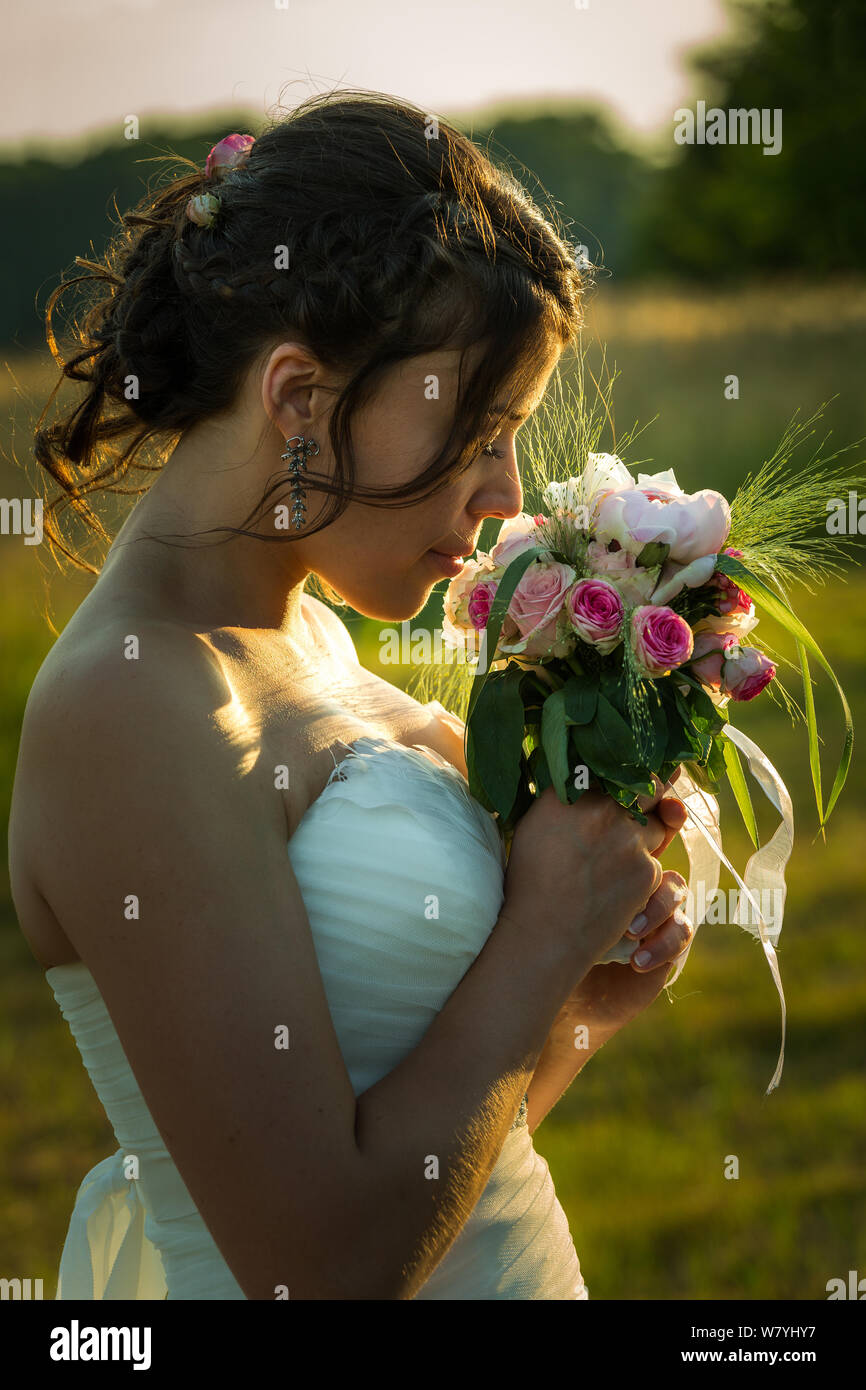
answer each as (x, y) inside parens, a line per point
(649, 803)
(654, 833)
(663, 945)
(668, 896)
(666, 807)
(672, 811)
(673, 815)
(660, 790)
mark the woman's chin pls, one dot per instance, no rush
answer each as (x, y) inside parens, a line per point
(397, 604)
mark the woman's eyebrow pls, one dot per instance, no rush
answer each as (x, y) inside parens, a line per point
(500, 410)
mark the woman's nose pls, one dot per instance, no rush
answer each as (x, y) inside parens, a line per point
(502, 495)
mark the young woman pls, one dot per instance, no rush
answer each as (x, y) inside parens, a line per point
(322, 1017)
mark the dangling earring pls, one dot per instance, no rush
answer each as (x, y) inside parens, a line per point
(298, 450)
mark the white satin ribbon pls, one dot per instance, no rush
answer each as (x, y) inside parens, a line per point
(763, 877)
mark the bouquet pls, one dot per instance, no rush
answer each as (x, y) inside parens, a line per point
(609, 636)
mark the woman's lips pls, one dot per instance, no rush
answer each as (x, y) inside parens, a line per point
(449, 564)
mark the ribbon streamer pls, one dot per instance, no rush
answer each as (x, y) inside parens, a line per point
(764, 874)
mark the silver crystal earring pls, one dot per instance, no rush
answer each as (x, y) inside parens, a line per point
(298, 450)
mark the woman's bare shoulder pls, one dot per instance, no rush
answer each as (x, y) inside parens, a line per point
(90, 666)
(105, 700)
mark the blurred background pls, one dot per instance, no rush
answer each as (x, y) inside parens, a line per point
(719, 260)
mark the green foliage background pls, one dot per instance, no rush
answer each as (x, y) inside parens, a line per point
(643, 207)
(638, 1147)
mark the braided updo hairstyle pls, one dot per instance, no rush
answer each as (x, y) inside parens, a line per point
(355, 227)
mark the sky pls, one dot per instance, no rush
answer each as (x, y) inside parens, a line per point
(71, 68)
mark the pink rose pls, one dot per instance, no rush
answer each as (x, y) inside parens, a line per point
(620, 567)
(709, 653)
(660, 638)
(536, 609)
(517, 534)
(595, 610)
(458, 628)
(732, 599)
(745, 676)
(481, 601)
(693, 525)
(229, 153)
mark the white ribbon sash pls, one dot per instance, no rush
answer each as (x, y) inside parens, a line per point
(764, 876)
(763, 881)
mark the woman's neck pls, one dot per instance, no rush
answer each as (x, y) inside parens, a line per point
(207, 580)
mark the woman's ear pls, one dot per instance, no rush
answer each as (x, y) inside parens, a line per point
(292, 389)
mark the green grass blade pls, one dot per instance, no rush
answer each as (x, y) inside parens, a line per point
(812, 728)
(740, 788)
(777, 608)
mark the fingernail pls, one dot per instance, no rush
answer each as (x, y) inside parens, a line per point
(681, 893)
(638, 924)
(642, 957)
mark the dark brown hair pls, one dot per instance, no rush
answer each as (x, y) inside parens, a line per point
(399, 237)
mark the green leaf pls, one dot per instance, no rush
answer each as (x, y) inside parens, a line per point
(612, 684)
(651, 742)
(777, 608)
(476, 786)
(498, 609)
(716, 766)
(701, 704)
(698, 731)
(497, 739)
(616, 733)
(531, 738)
(554, 738)
(739, 786)
(679, 750)
(653, 554)
(581, 699)
(539, 771)
(601, 743)
(626, 797)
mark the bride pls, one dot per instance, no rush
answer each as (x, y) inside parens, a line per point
(323, 1067)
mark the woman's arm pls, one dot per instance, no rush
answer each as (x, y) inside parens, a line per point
(165, 862)
(566, 1052)
(611, 995)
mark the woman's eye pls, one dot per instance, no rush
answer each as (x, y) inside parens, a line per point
(493, 453)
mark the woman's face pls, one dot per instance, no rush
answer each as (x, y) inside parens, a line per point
(381, 559)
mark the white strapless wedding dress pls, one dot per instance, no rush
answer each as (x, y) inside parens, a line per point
(401, 873)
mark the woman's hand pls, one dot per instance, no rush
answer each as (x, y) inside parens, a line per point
(609, 996)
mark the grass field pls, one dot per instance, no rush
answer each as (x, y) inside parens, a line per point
(639, 1146)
